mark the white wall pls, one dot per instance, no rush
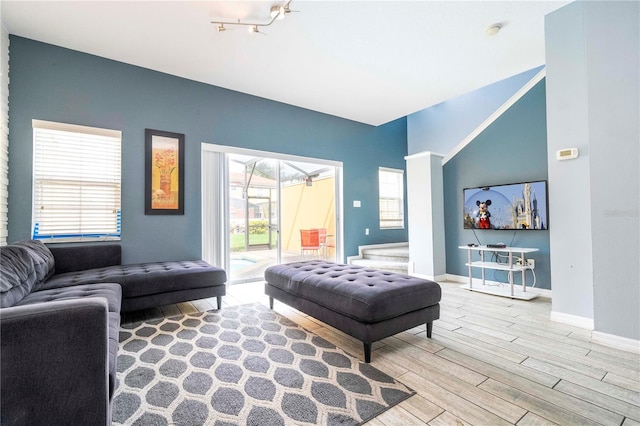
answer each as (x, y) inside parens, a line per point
(593, 104)
(4, 133)
(569, 189)
(614, 133)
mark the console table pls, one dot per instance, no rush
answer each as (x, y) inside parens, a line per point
(510, 267)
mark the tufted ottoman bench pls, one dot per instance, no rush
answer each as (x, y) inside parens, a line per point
(367, 304)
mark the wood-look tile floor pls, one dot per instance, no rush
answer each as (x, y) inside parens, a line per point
(491, 361)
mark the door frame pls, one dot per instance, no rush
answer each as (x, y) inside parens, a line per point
(215, 199)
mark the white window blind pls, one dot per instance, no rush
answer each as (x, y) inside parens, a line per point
(391, 194)
(76, 183)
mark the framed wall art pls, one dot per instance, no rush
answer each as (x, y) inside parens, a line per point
(164, 172)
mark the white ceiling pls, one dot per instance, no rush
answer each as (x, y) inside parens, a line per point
(368, 61)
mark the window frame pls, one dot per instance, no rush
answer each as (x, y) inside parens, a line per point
(94, 198)
(399, 221)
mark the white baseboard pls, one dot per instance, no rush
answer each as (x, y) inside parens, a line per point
(574, 320)
(456, 278)
(429, 277)
(617, 342)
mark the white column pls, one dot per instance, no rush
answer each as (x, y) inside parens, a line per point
(426, 215)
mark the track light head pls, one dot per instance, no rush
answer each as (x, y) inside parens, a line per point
(278, 12)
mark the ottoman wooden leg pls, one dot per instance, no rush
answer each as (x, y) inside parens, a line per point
(429, 328)
(270, 302)
(367, 352)
(219, 302)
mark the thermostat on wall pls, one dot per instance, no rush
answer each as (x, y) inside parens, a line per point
(567, 154)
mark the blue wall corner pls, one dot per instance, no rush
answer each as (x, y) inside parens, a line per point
(442, 127)
(512, 149)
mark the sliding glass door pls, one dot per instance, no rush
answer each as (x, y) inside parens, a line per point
(271, 208)
(253, 216)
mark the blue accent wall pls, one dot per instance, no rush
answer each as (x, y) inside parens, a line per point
(442, 127)
(512, 149)
(57, 84)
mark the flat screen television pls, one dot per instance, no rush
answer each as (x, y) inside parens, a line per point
(511, 206)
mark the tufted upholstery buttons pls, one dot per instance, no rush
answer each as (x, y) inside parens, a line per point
(145, 279)
(362, 293)
(110, 291)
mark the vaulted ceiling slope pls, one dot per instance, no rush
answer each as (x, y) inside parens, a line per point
(367, 61)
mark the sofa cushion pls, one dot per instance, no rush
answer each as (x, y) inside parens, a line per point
(43, 259)
(147, 278)
(80, 257)
(110, 291)
(18, 276)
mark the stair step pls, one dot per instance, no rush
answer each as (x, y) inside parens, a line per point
(391, 254)
(391, 266)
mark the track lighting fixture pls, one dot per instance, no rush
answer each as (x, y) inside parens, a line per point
(277, 13)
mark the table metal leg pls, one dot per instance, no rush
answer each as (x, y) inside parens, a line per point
(470, 269)
(511, 272)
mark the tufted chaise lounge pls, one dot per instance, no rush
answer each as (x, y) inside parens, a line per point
(367, 304)
(144, 285)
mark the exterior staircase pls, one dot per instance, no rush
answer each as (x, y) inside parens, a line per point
(386, 257)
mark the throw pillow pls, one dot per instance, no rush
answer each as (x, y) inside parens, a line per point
(43, 260)
(17, 275)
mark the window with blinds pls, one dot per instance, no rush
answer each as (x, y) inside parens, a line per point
(391, 195)
(76, 183)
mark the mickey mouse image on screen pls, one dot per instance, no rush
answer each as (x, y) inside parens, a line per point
(483, 214)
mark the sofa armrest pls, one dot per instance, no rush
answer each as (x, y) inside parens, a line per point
(85, 256)
(54, 363)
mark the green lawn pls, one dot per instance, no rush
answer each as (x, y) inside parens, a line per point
(237, 240)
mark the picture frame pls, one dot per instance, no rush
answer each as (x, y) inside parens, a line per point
(164, 173)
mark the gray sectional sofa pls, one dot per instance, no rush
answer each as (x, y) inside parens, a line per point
(59, 324)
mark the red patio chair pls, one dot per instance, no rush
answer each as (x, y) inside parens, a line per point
(310, 241)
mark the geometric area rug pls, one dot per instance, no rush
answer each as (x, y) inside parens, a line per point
(242, 365)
